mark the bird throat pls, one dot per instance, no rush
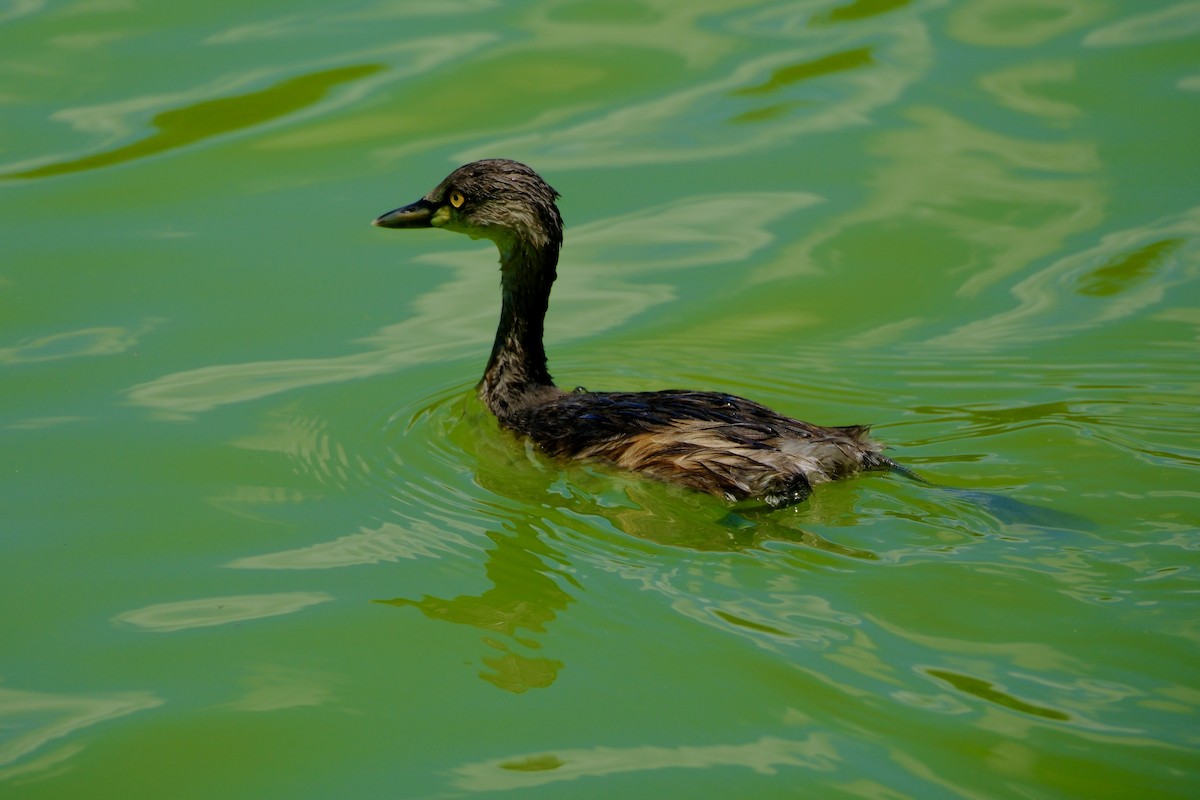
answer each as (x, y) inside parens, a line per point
(516, 376)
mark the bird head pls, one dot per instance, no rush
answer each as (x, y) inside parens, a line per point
(496, 199)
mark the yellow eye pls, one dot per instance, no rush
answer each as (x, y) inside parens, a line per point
(457, 199)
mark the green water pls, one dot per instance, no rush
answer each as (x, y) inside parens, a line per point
(260, 540)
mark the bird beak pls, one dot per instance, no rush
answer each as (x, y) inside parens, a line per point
(417, 215)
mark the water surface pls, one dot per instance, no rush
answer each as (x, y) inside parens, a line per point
(260, 540)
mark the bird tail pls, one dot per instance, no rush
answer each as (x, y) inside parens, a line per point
(884, 463)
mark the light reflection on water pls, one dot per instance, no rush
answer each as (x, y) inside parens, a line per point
(201, 613)
(34, 722)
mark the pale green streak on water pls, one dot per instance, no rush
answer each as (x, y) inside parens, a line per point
(259, 540)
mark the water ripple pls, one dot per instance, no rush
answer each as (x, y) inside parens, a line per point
(100, 341)
(457, 317)
(223, 107)
(408, 466)
(1005, 201)
(838, 75)
(1019, 23)
(525, 771)
(187, 125)
(1127, 272)
(1174, 22)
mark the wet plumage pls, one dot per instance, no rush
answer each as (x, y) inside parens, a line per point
(708, 441)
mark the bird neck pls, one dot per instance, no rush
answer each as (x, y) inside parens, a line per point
(516, 376)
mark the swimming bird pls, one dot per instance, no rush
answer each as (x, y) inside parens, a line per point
(712, 442)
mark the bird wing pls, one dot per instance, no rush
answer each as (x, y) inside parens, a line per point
(714, 442)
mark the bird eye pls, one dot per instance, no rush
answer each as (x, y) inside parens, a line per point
(457, 199)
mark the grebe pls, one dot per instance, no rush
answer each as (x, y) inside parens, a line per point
(717, 443)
